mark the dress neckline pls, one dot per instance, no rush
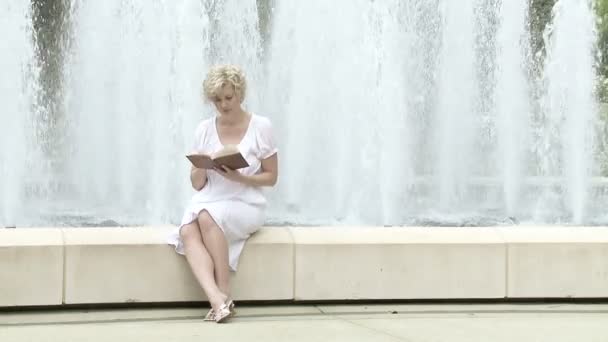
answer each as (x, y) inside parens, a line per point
(217, 132)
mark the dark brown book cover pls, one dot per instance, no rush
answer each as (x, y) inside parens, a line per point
(229, 156)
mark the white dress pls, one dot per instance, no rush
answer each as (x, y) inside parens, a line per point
(238, 209)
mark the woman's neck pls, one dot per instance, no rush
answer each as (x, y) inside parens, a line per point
(234, 118)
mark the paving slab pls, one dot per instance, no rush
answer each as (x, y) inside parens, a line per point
(372, 322)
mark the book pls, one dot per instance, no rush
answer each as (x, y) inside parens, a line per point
(229, 156)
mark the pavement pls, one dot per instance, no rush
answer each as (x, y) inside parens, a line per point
(377, 322)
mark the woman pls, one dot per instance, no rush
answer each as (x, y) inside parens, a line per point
(229, 204)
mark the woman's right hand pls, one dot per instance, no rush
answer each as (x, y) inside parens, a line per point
(198, 178)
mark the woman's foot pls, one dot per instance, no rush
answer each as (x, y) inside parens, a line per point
(217, 300)
(221, 306)
(222, 314)
(210, 316)
(230, 304)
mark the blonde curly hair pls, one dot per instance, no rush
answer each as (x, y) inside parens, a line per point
(221, 75)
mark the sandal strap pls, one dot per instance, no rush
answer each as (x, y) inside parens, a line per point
(210, 316)
(222, 313)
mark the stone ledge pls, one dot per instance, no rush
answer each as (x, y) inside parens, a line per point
(398, 263)
(51, 266)
(31, 267)
(557, 262)
(136, 265)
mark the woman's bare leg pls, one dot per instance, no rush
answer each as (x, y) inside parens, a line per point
(201, 263)
(216, 245)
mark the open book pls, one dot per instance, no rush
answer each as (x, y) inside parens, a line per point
(229, 156)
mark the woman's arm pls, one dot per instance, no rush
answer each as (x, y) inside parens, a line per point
(268, 176)
(198, 178)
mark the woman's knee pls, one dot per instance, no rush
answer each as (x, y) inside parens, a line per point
(206, 222)
(190, 232)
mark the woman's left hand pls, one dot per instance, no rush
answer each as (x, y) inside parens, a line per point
(229, 173)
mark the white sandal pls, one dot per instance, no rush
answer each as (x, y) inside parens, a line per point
(222, 314)
(210, 316)
(230, 305)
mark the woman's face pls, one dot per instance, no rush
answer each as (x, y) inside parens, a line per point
(227, 101)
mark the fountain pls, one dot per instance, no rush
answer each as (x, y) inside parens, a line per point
(568, 105)
(19, 152)
(512, 101)
(386, 112)
(134, 98)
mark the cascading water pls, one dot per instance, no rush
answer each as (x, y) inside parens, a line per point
(569, 105)
(474, 160)
(19, 153)
(132, 89)
(512, 101)
(456, 110)
(135, 98)
(337, 96)
(386, 112)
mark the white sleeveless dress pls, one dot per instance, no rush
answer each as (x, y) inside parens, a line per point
(238, 209)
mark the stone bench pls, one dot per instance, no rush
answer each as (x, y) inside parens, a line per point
(55, 266)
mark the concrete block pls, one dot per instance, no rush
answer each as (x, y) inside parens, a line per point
(31, 267)
(557, 262)
(334, 263)
(121, 265)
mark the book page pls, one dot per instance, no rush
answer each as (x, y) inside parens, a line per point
(226, 151)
